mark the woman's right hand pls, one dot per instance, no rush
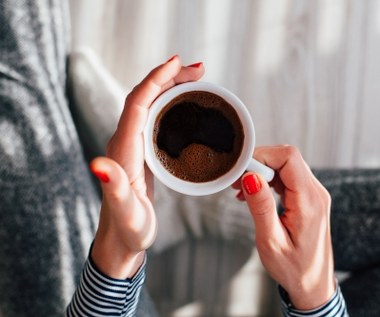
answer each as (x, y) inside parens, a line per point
(295, 247)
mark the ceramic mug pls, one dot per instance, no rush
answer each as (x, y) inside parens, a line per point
(244, 162)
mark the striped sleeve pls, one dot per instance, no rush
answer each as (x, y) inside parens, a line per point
(335, 307)
(99, 295)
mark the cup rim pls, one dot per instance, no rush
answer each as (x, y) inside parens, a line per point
(222, 182)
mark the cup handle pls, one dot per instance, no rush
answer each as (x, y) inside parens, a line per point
(266, 172)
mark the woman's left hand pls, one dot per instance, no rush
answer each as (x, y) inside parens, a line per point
(128, 224)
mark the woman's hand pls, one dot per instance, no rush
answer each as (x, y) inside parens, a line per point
(295, 248)
(128, 225)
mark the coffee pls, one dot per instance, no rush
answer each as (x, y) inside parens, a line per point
(198, 136)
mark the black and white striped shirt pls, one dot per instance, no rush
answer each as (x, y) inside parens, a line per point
(100, 295)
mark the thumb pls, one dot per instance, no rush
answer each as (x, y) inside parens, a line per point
(113, 179)
(261, 204)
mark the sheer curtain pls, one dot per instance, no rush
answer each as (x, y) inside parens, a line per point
(308, 71)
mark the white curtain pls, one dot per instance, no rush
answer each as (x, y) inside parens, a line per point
(309, 71)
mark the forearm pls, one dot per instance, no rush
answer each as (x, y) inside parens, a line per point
(100, 295)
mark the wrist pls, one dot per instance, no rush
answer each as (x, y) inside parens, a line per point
(116, 261)
(303, 298)
(334, 306)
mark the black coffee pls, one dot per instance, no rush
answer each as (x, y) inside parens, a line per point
(198, 136)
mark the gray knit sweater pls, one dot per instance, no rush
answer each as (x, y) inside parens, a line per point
(48, 202)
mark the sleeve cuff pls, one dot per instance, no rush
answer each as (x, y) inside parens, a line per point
(101, 295)
(336, 306)
(93, 266)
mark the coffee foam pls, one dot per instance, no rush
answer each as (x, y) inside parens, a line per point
(197, 162)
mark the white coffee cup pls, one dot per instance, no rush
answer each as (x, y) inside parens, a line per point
(243, 163)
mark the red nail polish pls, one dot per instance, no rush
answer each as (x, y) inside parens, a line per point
(251, 184)
(196, 65)
(101, 176)
(171, 58)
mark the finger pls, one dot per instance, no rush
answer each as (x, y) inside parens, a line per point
(262, 206)
(294, 173)
(190, 73)
(114, 181)
(240, 195)
(133, 219)
(133, 118)
(149, 183)
(128, 134)
(158, 80)
(277, 185)
(237, 184)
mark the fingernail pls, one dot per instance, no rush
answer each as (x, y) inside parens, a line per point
(171, 58)
(103, 177)
(251, 184)
(196, 65)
